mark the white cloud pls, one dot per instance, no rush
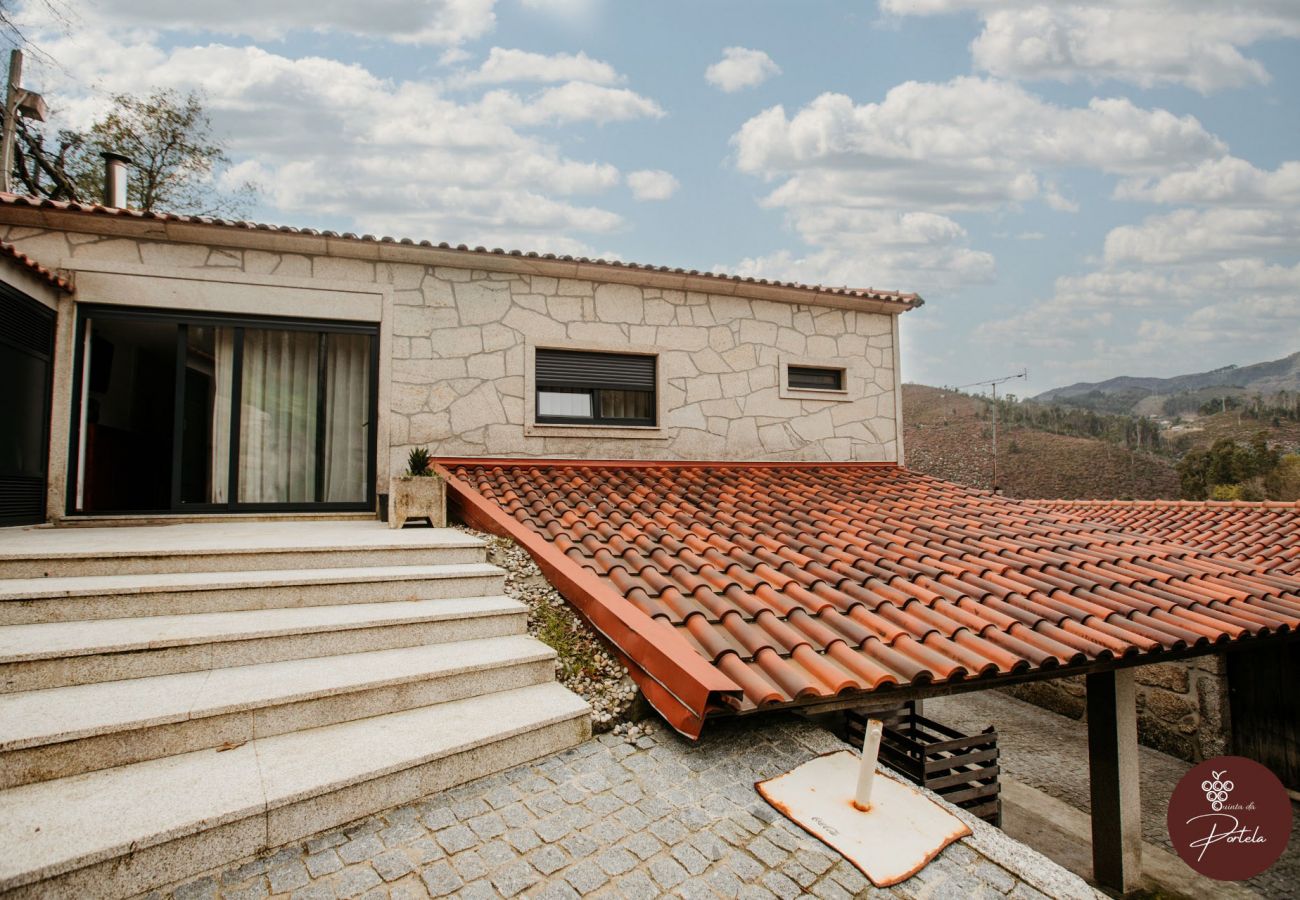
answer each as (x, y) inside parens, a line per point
(575, 101)
(652, 184)
(741, 68)
(1226, 181)
(562, 8)
(1053, 197)
(403, 21)
(865, 248)
(454, 56)
(1195, 236)
(878, 183)
(503, 66)
(1253, 313)
(982, 140)
(1195, 43)
(328, 140)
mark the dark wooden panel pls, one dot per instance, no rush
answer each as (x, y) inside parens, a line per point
(1266, 708)
(963, 768)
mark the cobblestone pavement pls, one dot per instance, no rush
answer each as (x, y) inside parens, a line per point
(659, 817)
(1050, 752)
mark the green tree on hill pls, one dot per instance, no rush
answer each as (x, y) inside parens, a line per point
(1283, 483)
(1229, 471)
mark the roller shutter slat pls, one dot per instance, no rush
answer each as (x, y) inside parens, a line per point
(615, 371)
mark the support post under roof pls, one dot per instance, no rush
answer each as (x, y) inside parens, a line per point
(1113, 778)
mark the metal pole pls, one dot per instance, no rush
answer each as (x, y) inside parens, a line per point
(11, 120)
(867, 769)
(995, 437)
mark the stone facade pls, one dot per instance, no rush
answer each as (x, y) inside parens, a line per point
(457, 341)
(1182, 706)
(462, 383)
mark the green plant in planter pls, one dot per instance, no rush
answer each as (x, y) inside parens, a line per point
(417, 462)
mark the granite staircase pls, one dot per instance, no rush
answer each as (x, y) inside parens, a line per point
(176, 699)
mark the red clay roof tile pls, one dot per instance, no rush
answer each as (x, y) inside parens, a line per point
(21, 259)
(901, 300)
(801, 583)
(1265, 535)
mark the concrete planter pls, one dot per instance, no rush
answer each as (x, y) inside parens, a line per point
(417, 497)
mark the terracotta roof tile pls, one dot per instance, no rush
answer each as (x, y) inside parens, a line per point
(1265, 535)
(10, 252)
(904, 300)
(800, 583)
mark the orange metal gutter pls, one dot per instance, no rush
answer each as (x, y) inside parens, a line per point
(675, 679)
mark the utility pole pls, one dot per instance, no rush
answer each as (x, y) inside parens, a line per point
(994, 382)
(995, 437)
(18, 101)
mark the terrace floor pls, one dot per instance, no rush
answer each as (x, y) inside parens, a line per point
(658, 817)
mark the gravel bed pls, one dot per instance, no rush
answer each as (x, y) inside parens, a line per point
(584, 666)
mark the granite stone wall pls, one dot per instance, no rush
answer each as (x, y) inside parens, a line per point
(461, 365)
(458, 344)
(1182, 706)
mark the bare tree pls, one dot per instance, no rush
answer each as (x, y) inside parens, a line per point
(168, 137)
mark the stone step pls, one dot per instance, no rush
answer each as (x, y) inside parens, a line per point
(119, 832)
(58, 654)
(27, 601)
(228, 547)
(70, 730)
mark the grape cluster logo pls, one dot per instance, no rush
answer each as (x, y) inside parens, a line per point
(1229, 818)
(1217, 791)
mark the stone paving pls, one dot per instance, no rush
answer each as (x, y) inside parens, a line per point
(1049, 752)
(660, 817)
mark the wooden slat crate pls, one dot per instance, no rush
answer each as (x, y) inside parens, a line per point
(963, 769)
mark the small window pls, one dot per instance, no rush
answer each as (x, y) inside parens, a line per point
(813, 378)
(585, 388)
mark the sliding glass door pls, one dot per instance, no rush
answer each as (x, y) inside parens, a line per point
(263, 415)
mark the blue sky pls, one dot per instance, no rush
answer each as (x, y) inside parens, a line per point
(1083, 189)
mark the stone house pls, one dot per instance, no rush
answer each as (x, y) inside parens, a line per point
(344, 352)
(260, 386)
(165, 368)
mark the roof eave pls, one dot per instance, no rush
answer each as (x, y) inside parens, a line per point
(46, 214)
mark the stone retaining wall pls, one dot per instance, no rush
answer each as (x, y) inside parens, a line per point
(1182, 706)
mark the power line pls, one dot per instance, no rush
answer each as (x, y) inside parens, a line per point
(1023, 373)
(994, 382)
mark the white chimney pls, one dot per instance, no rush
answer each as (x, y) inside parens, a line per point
(115, 179)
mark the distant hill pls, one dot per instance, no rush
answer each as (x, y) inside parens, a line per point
(946, 434)
(1127, 394)
(1203, 431)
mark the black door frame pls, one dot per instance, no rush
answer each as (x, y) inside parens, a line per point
(183, 320)
(48, 318)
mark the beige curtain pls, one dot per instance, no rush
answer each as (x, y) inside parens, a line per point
(277, 440)
(347, 408)
(223, 359)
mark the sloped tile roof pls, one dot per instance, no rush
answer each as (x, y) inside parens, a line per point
(903, 300)
(1266, 534)
(800, 583)
(22, 260)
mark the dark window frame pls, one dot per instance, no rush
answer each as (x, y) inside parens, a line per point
(35, 339)
(183, 319)
(809, 376)
(574, 381)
